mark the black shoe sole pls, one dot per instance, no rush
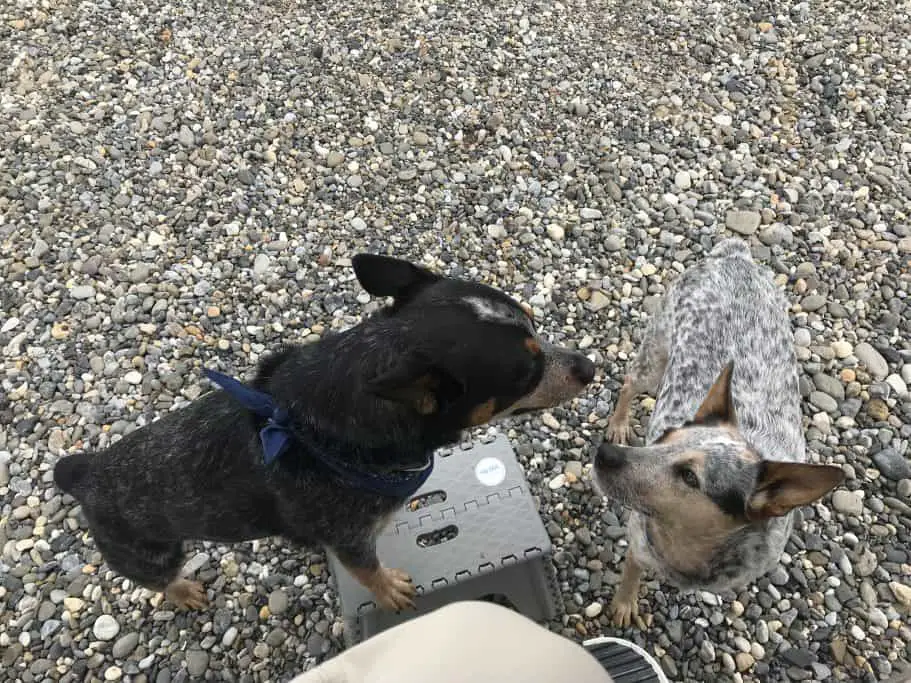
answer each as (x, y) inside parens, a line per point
(625, 661)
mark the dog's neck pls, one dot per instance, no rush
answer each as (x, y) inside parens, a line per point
(687, 553)
(379, 456)
(692, 560)
(322, 388)
(380, 470)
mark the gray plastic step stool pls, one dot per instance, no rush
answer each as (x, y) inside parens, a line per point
(471, 532)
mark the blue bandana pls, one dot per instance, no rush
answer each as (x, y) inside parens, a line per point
(278, 434)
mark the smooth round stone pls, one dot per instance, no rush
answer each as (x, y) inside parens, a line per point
(802, 337)
(742, 644)
(892, 464)
(557, 482)
(842, 349)
(125, 645)
(904, 488)
(105, 627)
(73, 605)
(593, 610)
(197, 662)
(278, 601)
(49, 628)
(847, 502)
(744, 661)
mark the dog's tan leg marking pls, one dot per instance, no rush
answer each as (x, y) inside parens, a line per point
(624, 607)
(618, 429)
(392, 587)
(186, 594)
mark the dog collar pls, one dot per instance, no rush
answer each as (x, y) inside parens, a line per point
(278, 434)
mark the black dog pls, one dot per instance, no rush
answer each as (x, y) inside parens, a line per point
(345, 434)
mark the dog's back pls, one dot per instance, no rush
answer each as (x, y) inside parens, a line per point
(727, 307)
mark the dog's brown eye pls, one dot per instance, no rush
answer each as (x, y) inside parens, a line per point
(689, 477)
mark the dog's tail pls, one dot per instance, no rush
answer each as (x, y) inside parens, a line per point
(70, 472)
(731, 247)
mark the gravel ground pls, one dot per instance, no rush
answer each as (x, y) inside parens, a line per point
(183, 184)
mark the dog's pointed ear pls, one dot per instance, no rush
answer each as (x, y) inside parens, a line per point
(415, 382)
(783, 486)
(718, 405)
(387, 276)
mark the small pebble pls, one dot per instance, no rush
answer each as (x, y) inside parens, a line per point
(593, 610)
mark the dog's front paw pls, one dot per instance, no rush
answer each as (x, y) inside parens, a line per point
(394, 589)
(618, 430)
(190, 595)
(624, 610)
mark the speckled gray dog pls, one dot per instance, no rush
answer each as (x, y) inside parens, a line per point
(713, 491)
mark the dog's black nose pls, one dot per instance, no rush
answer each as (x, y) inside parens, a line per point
(583, 369)
(610, 456)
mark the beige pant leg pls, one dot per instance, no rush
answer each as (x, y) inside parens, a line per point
(464, 642)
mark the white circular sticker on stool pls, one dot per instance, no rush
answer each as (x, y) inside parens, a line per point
(490, 471)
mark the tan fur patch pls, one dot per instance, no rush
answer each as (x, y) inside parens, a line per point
(688, 542)
(763, 506)
(426, 404)
(672, 436)
(483, 413)
(533, 346)
(392, 588)
(186, 594)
